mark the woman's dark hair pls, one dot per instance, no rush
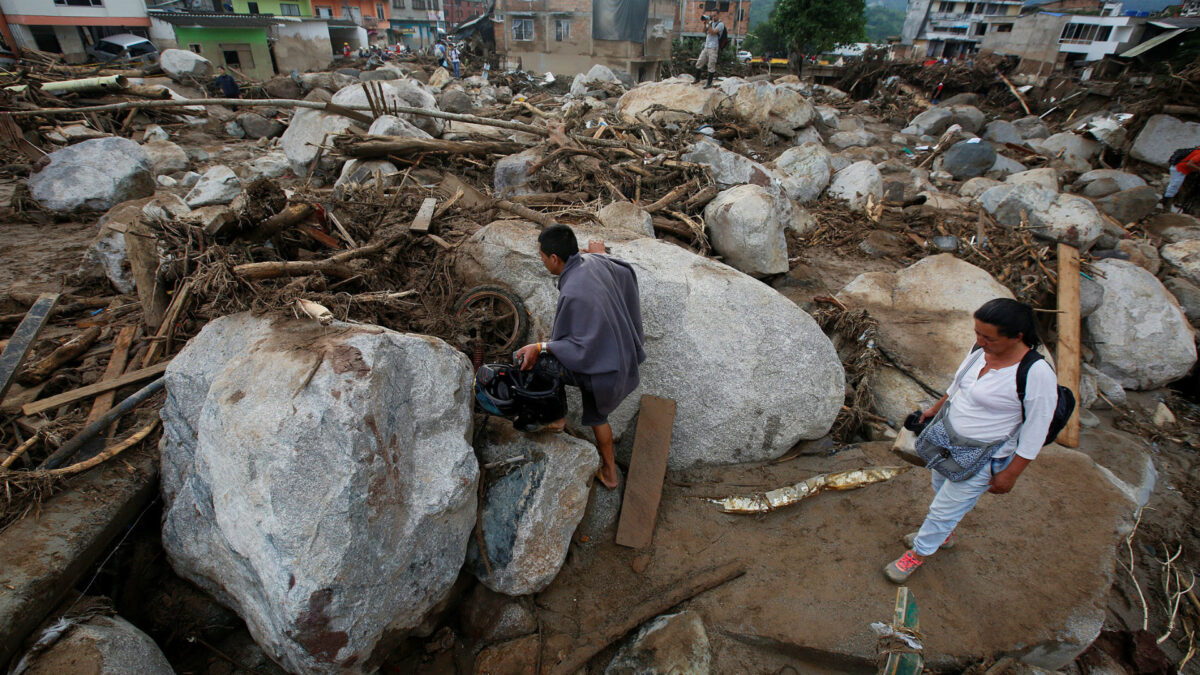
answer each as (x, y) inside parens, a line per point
(559, 240)
(1011, 318)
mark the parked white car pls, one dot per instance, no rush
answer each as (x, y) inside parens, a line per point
(744, 56)
(124, 47)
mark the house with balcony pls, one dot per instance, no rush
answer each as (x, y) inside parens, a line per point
(1046, 42)
(569, 36)
(735, 14)
(935, 29)
(70, 27)
(417, 23)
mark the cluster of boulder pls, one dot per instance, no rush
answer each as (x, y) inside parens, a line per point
(334, 504)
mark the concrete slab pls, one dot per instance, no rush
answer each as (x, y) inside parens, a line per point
(42, 557)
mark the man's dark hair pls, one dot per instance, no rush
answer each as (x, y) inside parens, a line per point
(559, 240)
(1011, 318)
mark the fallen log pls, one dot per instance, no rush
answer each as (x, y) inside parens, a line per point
(292, 215)
(317, 105)
(655, 604)
(38, 372)
(701, 198)
(381, 146)
(670, 198)
(333, 265)
(525, 212)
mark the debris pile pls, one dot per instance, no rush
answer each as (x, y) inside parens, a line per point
(313, 271)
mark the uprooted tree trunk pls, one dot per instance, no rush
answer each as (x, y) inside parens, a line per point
(366, 147)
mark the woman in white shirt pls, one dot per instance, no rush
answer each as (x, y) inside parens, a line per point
(984, 409)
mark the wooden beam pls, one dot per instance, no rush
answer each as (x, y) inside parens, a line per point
(93, 389)
(22, 340)
(116, 366)
(1067, 356)
(647, 468)
(424, 216)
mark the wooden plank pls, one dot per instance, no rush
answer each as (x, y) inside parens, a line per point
(424, 216)
(116, 366)
(1066, 358)
(141, 247)
(471, 198)
(647, 468)
(93, 389)
(22, 339)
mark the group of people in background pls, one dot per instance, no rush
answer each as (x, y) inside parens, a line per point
(445, 51)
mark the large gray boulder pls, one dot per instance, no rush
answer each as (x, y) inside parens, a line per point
(781, 109)
(405, 93)
(94, 175)
(184, 65)
(1076, 152)
(256, 126)
(669, 644)
(218, 185)
(100, 645)
(1142, 337)
(531, 511)
(1184, 256)
(1161, 137)
(1055, 216)
(627, 216)
(746, 226)
(969, 158)
(511, 174)
(793, 391)
(165, 157)
(729, 169)
(859, 138)
(455, 100)
(305, 135)
(328, 502)
(271, 165)
(1032, 127)
(857, 182)
(1114, 180)
(934, 121)
(390, 125)
(1173, 227)
(1003, 131)
(1044, 177)
(805, 171)
(681, 101)
(925, 320)
(1129, 206)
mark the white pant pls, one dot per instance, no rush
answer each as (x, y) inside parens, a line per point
(708, 56)
(951, 502)
(1175, 183)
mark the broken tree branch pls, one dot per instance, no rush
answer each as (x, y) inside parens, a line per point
(38, 372)
(525, 212)
(382, 146)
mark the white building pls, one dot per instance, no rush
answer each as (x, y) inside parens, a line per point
(70, 26)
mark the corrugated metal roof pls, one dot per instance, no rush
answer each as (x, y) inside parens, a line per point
(220, 20)
(1152, 43)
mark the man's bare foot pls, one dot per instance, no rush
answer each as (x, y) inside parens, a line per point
(610, 480)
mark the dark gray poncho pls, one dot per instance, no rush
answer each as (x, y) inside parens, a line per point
(598, 326)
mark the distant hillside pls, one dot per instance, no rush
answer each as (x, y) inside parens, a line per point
(760, 10)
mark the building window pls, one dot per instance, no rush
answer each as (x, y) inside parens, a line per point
(1081, 33)
(418, 4)
(289, 9)
(562, 30)
(522, 30)
(397, 4)
(1104, 34)
(946, 7)
(741, 16)
(1004, 28)
(326, 12)
(79, 3)
(253, 7)
(710, 6)
(980, 28)
(194, 47)
(723, 7)
(379, 11)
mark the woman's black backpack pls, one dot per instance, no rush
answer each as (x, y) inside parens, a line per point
(1066, 398)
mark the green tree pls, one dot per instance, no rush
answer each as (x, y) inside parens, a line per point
(765, 39)
(815, 26)
(883, 23)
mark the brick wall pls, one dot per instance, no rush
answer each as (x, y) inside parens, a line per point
(694, 9)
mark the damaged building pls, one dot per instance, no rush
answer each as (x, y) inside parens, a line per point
(569, 36)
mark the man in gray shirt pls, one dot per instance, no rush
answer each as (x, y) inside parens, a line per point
(712, 46)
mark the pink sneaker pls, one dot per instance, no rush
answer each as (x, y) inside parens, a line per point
(898, 571)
